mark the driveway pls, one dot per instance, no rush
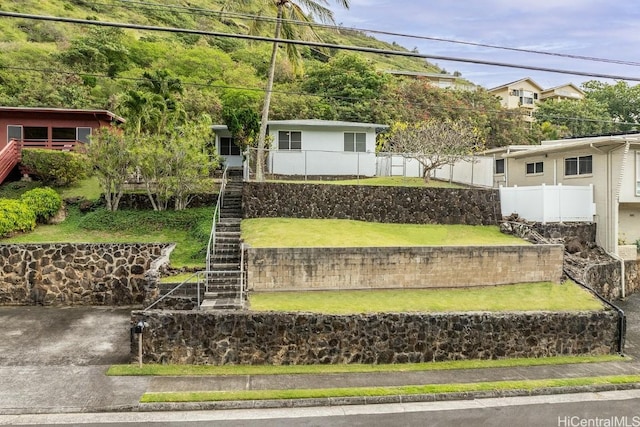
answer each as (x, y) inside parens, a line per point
(70, 336)
(55, 359)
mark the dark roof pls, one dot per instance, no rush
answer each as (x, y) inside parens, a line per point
(107, 114)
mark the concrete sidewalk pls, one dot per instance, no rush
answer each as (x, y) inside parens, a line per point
(61, 389)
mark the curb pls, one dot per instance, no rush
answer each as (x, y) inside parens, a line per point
(375, 400)
(324, 402)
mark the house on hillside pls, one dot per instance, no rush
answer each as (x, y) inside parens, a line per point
(606, 166)
(49, 128)
(526, 94)
(311, 148)
(523, 94)
(566, 91)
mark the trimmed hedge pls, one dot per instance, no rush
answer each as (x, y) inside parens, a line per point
(52, 167)
(15, 215)
(44, 201)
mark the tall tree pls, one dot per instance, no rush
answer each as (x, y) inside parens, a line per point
(621, 100)
(352, 86)
(287, 12)
(111, 155)
(575, 117)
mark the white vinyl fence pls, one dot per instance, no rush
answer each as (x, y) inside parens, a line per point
(549, 203)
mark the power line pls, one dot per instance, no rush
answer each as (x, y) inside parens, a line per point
(193, 10)
(315, 44)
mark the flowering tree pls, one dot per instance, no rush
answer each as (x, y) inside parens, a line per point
(433, 143)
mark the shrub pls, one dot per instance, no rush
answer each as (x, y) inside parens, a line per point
(15, 216)
(45, 202)
(52, 167)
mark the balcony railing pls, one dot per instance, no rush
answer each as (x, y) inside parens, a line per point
(52, 144)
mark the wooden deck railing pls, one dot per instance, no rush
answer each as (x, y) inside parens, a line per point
(9, 158)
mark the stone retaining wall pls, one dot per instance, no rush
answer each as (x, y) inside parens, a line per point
(280, 269)
(372, 203)
(81, 274)
(605, 279)
(231, 337)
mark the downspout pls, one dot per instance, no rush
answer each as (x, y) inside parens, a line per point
(615, 208)
(622, 319)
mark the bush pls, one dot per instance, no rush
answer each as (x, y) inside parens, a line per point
(15, 216)
(52, 167)
(45, 202)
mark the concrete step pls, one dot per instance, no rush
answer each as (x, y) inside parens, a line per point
(219, 267)
(221, 304)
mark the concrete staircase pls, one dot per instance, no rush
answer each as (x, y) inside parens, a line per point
(224, 279)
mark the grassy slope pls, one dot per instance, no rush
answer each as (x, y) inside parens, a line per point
(291, 232)
(522, 297)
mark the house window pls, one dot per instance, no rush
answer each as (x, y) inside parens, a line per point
(14, 132)
(83, 134)
(581, 165)
(355, 141)
(36, 133)
(525, 97)
(535, 168)
(289, 140)
(228, 147)
(499, 166)
(63, 134)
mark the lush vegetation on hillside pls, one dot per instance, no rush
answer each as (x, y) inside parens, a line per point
(53, 64)
(81, 66)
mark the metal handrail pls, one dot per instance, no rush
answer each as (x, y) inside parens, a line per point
(242, 278)
(216, 218)
(187, 280)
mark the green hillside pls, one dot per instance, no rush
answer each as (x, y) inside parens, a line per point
(53, 64)
(32, 44)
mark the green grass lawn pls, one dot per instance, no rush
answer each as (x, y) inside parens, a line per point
(293, 232)
(388, 181)
(544, 296)
(189, 229)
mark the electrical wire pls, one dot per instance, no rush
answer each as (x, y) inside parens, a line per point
(315, 44)
(194, 10)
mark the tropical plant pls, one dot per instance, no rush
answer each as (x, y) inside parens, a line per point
(289, 14)
(44, 201)
(15, 215)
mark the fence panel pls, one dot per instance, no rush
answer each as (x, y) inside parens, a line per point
(549, 203)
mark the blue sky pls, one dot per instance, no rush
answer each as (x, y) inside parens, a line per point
(593, 28)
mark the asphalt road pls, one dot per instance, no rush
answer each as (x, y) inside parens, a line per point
(620, 409)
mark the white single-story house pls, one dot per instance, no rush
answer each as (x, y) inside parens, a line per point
(610, 165)
(311, 147)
